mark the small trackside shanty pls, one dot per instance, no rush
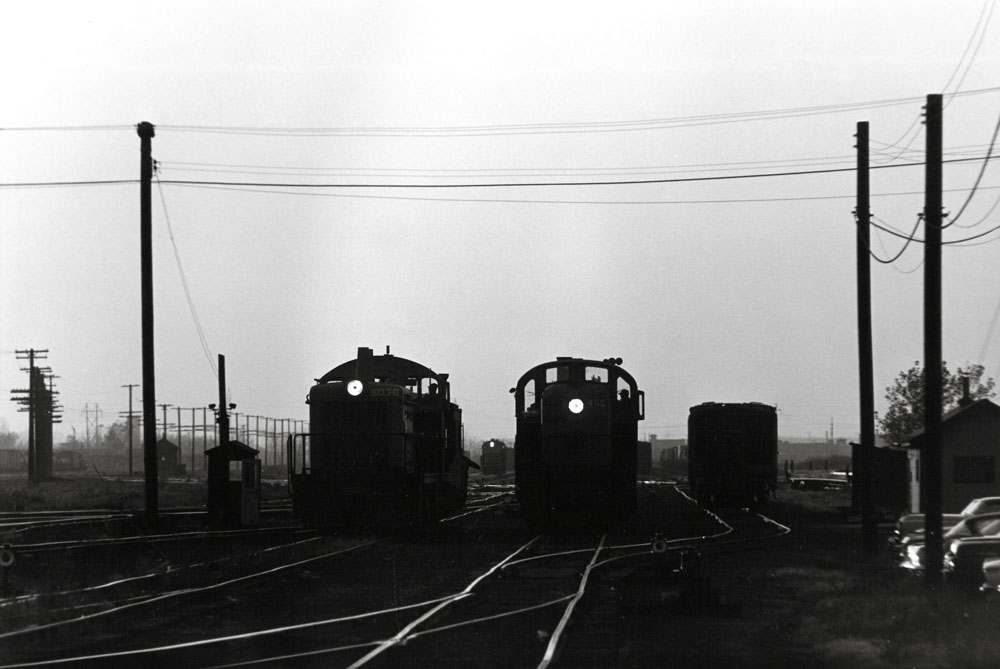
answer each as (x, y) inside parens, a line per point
(732, 453)
(575, 450)
(384, 447)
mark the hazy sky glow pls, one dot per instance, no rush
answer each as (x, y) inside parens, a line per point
(710, 290)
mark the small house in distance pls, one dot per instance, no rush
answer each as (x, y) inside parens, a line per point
(970, 452)
(168, 457)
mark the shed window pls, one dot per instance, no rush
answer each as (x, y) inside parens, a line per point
(974, 469)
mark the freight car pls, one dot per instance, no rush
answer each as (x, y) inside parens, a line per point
(644, 458)
(494, 459)
(575, 449)
(384, 446)
(732, 453)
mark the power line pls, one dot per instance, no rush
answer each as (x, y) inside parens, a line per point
(896, 257)
(71, 128)
(979, 178)
(913, 238)
(203, 340)
(991, 4)
(412, 198)
(558, 128)
(58, 184)
(537, 184)
(915, 123)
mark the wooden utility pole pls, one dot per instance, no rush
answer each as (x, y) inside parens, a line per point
(223, 406)
(931, 456)
(869, 519)
(130, 386)
(192, 440)
(32, 398)
(165, 407)
(146, 133)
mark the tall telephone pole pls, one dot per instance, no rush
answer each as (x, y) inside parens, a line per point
(32, 400)
(130, 386)
(931, 456)
(146, 133)
(165, 407)
(869, 520)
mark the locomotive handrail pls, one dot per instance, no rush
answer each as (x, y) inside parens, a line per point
(615, 374)
(389, 369)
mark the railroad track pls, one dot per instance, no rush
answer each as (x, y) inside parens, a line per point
(475, 590)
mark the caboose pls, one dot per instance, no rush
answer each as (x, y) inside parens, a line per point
(732, 453)
(575, 449)
(384, 447)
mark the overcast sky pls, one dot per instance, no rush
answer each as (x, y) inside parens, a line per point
(710, 288)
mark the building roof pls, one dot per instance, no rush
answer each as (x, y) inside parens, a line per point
(962, 411)
(234, 450)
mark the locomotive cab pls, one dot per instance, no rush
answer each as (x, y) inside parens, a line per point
(384, 447)
(575, 451)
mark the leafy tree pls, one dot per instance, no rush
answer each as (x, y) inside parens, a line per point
(8, 439)
(115, 437)
(906, 397)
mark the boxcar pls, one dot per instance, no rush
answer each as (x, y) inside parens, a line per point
(732, 453)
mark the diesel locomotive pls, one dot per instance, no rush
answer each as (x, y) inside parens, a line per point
(732, 453)
(495, 458)
(384, 447)
(575, 449)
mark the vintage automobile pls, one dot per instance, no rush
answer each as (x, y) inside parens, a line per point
(910, 527)
(991, 575)
(965, 555)
(966, 544)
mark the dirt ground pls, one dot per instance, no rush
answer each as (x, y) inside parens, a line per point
(813, 598)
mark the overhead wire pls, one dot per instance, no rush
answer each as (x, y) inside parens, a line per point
(202, 339)
(555, 128)
(62, 128)
(274, 170)
(61, 184)
(909, 239)
(991, 4)
(979, 178)
(885, 227)
(958, 67)
(534, 184)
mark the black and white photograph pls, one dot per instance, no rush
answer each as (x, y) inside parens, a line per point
(532, 334)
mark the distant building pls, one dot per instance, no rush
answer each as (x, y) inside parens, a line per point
(970, 452)
(667, 450)
(168, 456)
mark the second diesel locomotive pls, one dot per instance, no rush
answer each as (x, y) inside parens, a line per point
(495, 458)
(732, 453)
(575, 449)
(384, 447)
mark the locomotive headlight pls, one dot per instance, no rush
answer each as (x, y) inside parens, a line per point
(355, 387)
(575, 405)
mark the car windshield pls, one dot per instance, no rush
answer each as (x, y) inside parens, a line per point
(988, 527)
(972, 527)
(961, 530)
(978, 506)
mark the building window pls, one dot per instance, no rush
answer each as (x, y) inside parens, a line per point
(974, 469)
